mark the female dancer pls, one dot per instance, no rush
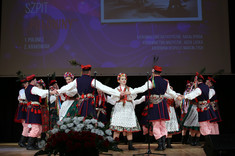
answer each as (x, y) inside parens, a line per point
(68, 107)
(123, 116)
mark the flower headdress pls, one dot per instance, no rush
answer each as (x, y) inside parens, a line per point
(41, 82)
(120, 75)
(68, 74)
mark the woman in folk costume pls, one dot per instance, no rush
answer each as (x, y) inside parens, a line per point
(190, 121)
(86, 86)
(22, 112)
(157, 112)
(55, 105)
(44, 109)
(172, 125)
(101, 107)
(123, 116)
(184, 110)
(68, 108)
(33, 95)
(214, 104)
(200, 96)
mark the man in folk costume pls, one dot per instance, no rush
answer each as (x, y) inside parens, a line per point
(86, 86)
(34, 118)
(158, 112)
(22, 112)
(214, 104)
(201, 97)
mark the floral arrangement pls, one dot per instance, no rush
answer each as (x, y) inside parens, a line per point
(79, 136)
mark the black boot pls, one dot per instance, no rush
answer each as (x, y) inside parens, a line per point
(197, 141)
(125, 140)
(31, 144)
(164, 142)
(152, 138)
(130, 146)
(115, 147)
(193, 141)
(22, 142)
(146, 138)
(168, 140)
(189, 140)
(183, 139)
(160, 147)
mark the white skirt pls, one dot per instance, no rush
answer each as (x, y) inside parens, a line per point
(123, 116)
(192, 118)
(172, 124)
(64, 108)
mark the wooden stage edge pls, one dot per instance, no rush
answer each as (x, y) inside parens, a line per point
(12, 149)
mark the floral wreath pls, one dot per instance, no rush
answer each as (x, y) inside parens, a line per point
(41, 82)
(120, 75)
(68, 74)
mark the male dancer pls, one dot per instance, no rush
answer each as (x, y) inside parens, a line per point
(34, 118)
(214, 104)
(201, 97)
(86, 88)
(22, 112)
(158, 112)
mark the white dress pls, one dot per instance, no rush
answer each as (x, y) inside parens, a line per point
(123, 116)
(67, 103)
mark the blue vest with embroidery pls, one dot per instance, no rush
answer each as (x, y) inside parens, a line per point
(160, 86)
(29, 95)
(84, 85)
(205, 92)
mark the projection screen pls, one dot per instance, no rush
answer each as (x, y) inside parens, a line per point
(41, 36)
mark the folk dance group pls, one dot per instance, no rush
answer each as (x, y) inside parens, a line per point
(199, 107)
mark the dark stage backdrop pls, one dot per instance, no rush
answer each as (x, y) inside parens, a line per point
(10, 131)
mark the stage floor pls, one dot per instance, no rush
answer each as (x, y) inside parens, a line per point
(12, 149)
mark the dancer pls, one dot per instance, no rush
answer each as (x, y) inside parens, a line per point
(101, 107)
(68, 108)
(214, 104)
(184, 110)
(86, 87)
(44, 109)
(172, 125)
(33, 96)
(157, 110)
(55, 105)
(200, 97)
(22, 112)
(123, 116)
(190, 120)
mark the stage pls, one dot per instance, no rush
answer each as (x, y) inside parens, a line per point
(12, 149)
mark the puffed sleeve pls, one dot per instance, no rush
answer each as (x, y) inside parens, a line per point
(98, 85)
(69, 87)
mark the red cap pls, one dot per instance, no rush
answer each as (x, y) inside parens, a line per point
(157, 68)
(52, 82)
(86, 66)
(31, 77)
(211, 79)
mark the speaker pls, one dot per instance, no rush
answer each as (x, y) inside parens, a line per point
(220, 145)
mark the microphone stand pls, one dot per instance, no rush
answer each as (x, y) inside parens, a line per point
(95, 92)
(148, 125)
(48, 101)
